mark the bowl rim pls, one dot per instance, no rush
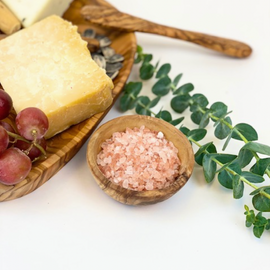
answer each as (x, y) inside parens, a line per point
(105, 183)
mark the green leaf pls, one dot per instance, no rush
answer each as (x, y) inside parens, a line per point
(238, 187)
(162, 86)
(147, 58)
(219, 109)
(184, 130)
(227, 142)
(177, 79)
(200, 99)
(147, 71)
(222, 130)
(246, 130)
(197, 134)
(128, 100)
(142, 105)
(180, 103)
(133, 88)
(165, 115)
(204, 149)
(205, 119)
(209, 167)
(154, 102)
(163, 70)
(260, 202)
(184, 89)
(225, 158)
(177, 121)
(250, 217)
(252, 177)
(225, 177)
(196, 117)
(244, 157)
(258, 231)
(257, 147)
(260, 166)
(139, 49)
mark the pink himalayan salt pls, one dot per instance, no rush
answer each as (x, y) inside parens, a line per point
(139, 159)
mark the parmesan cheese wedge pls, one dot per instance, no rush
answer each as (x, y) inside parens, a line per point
(48, 66)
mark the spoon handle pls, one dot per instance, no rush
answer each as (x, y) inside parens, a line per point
(111, 17)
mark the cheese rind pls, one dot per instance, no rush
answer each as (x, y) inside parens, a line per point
(30, 12)
(49, 66)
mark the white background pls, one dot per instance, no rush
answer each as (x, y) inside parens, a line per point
(69, 223)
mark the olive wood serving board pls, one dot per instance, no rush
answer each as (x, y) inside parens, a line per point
(63, 147)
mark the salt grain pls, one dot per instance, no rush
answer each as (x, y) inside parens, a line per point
(139, 159)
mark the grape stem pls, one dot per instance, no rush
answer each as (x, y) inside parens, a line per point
(33, 143)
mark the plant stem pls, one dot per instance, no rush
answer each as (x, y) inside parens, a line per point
(243, 179)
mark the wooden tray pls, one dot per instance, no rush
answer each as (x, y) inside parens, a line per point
(63, 147)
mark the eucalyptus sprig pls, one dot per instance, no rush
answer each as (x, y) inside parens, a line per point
(232, 171)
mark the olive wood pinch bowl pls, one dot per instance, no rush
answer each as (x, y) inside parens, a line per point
(131, 197)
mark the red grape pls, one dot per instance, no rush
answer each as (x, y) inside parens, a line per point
(14, 166)
(34, 152)
(5, 104)
(4, 139)
(32, 123)
(9, 128)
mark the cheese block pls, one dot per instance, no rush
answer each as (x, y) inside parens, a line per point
(48, 66)
(31, 11)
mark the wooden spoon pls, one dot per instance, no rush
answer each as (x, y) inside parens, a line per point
(111, 17)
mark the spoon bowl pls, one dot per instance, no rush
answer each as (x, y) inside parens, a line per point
(145, 197)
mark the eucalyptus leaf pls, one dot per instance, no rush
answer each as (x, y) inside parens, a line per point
(246, 130)
(197, 134)
(252, 177)
(177, 121)
(222, 130)
(250, 217)
(127, 103)
(184, 89)
(209, 167)
(205, 119)
(238, 187)
(260, 202)
(200, 99)
(184, 130)
(154, 102)
(180, 103)
(258, 231)
(204, 149)
(163, 70)
(164, 115)
(177, 79)
(147, 58)
(196, 117)
(162, 86)
(257, 147)
(260, 166)
(224, 158)
(244, 157)
(225, 177)
(147, 71)
(219, 109)
(142, 106)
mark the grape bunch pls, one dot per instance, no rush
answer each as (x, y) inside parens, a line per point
(21, 145)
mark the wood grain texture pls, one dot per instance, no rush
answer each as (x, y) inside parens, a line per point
(9, 23)
(110, 17)
(62, 147)
(132, 197)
